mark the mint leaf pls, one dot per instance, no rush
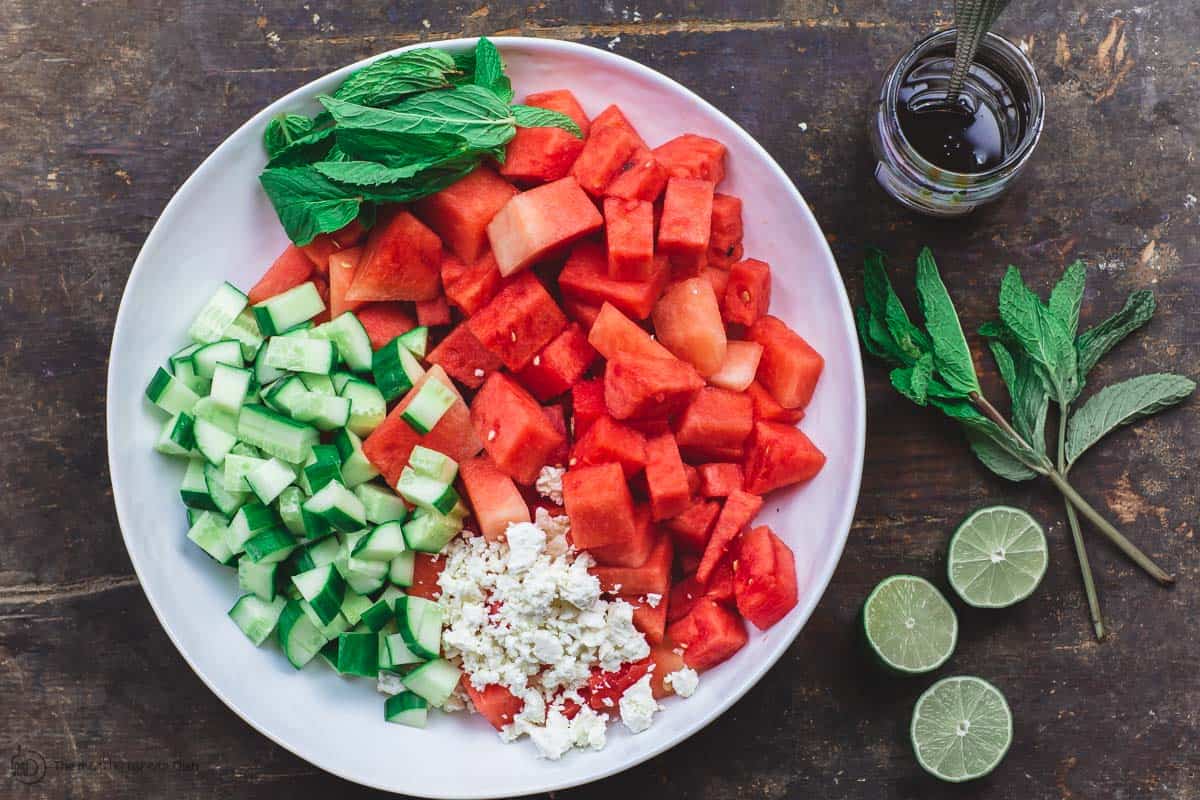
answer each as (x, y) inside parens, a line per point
(1093, 344)
(1026, 390)
(888, 326)
(1041, 335)
(997, 459)
(370, 173)
(913, 382)
(489, 70)
(534, 117)
(1067, 296)
(423, 184)
(284, 129)
(952, 357)
(303, 149)
(469, 111)
(1121, 404)
(308, 203)
(390, 78)
(977, 427)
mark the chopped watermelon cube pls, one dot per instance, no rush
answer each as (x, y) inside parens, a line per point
(693, 479)
(687, 320)
(748, 294)
(540, 155)
(766, 409)
(401, 261)
(460, 213)
(427, 568)
(720, 479)
(585, 277)
(587, 405)
(613, 117)
(495, 703)
(518, 322)
(514, 429)
(764, 577)
(640, 178)
(636, 551)
(691, 529)
(341, 266)
(613, 333)
(604, 689)
(607, 150)
(537, 222)
(686, 221)
(432, 313)
(779, 455)
(738, 512)
(384, 322)
(651, 620)
(739, 367)
(692, 156)
(652, 577)
(642, 386)
(389, 446)
(560, 364)
(666, 478)
(598, 502)
(629, 235)
(790, 367)
(717, 278)
(710, 633)
(725, 237)
(583, 313)
(464, 357)
(558, 418)
(495, 499)
(689, 591)
(716, 419)
(288, 271)
(470, 287)
(667, 657)
(607, 441)
(326, 244)
(564, 102)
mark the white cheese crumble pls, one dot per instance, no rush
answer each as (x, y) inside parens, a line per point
(638, 706)
(682, 681)
(549, 484)
(653, 600)
(389, 683)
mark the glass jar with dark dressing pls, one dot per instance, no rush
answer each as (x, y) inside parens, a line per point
(944, 157)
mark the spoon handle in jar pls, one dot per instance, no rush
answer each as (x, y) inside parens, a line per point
(972, 19)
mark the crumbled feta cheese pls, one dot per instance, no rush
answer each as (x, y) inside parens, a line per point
(638, 706)
(549, 484)
(682, 681)
(525, 543)
(653, 600)
(554, 738)
(479, 373)
(389, 683)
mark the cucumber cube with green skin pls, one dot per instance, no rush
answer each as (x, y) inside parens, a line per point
(256, 617)
(268, 480)
(354, 605)
(402, 567)
(283, 312)
(208, 533)
(420, 622)
(368, 409)
(433, 464)
(258, 578)
(433, 400)
(299, 636)
(177, 437)
(249, 520)
(358, 654)
(320, 384)
(194, 490)
(218, 314)
(406, 708)
(383, 610)
(338, 506)
(351, 339)
(271, 545)
(244, 330)
(324, 589)
(425, 492)
(430, 531)
(226, 351)
(170, 394)
(383, 543)
(395, 369)
(416, 340)
(381, 503)
(275, 434)
(434, 680)
(300, 354)
(356, 467)
(324, 464)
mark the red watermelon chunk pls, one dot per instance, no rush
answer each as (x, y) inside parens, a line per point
(717, 278)
(636, 551)
(778, 455)
(518, 322)
(514, 429)
(651, 620)
(464, 357)
(587, 405)
(384, 322)
(560, 364)
(470, 287)
(604, 689)
(748, 294)
(540, 155)
(666, 478)
(629, 235)
(598, 502)
(738, 512)
(641, 386)
(558, 418)
(692, 156)
(691, 529)
(585, 277)
(715, 420)
(710, 634)
(389, 445)
(326, 244)
(607, 150)
(666, 661)
(581, 312)
(401, 261)
(790, 367)
(689, 591)
(725, 236)
(427, 568)
(495, 703)
(764, 577)
(564, 102)
(460, 213)
(652, 577)
(288, 271)
(535, 223)
(767, 410)
(613, 334)
(686, 221)
(640, 178)
(607, 441)
(720, 479)
(687, 320)
(341, 266)
(432, 313)
(495, 500)
(739, 367)
(613, 117)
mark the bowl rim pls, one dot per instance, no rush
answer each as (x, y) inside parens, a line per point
(660, 81)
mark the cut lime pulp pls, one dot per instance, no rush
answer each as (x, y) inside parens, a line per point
(909, 625)
(961, 728)
(997, 557)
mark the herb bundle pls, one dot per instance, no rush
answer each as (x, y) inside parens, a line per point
(400, 128)
(1041, 359)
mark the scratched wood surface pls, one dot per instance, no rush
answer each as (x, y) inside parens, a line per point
(109, 105)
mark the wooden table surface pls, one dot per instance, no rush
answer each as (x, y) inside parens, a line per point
(108, 106)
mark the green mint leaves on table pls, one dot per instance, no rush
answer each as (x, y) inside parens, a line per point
(398, 129)
(1041, 358)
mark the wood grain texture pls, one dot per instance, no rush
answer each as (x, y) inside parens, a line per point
(109, 106)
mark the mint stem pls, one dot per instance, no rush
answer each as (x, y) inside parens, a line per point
(1085, 567)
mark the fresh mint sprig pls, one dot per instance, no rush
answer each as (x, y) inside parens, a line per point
(1040, 358)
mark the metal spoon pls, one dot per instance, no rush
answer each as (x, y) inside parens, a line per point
(972, 19)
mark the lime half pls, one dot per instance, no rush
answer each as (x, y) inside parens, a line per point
(961, 728)
(909, 625)
(997, 557)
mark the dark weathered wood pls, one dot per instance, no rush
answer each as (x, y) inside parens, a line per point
(109, 106)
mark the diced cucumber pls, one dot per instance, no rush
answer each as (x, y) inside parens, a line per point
(340, 378)
(424, 411)
(209, 534)
(338, 506)
(285, 393)
(362, 576)
(257, 578)
(395, 369)
(217, 315)
(284, 311)
(194, 489)
(250, 519)
(299, 354)
(430, 531)
(225, 501)
(244, 329)
(425, 492)
(230, 386)
(184, 369)
(275, 434)
(212, 442)
(383, 610)
(321, 384)
(317, 554)
(432, 464)
(177, 437)
(322, 466)
(435, 681)
(257, 617)
(226, 351)
(381, 504)
(330, 630)
(354, 605)
(268, 480)
(270, 546)
(264, 374)
(406, 708)
(351, 339)
(393, 652)
(243, 449)
(288, 508)
(400, 571)
(236, 468)
(325, 412)
(356, 467)
(299, 636)
(323, 588)
(358, 654)
(416, 340)
(383, 543)
(207, 409)
(420, 622)
(368, 409)
(169, 394)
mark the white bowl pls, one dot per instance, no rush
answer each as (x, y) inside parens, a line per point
(220, 226)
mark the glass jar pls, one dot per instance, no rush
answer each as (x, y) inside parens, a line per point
(923, 186)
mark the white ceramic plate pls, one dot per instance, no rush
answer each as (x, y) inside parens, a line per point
(220, 226)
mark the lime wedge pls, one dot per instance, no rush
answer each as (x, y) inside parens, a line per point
(997, 557)
(961, 728)
(909, 625)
